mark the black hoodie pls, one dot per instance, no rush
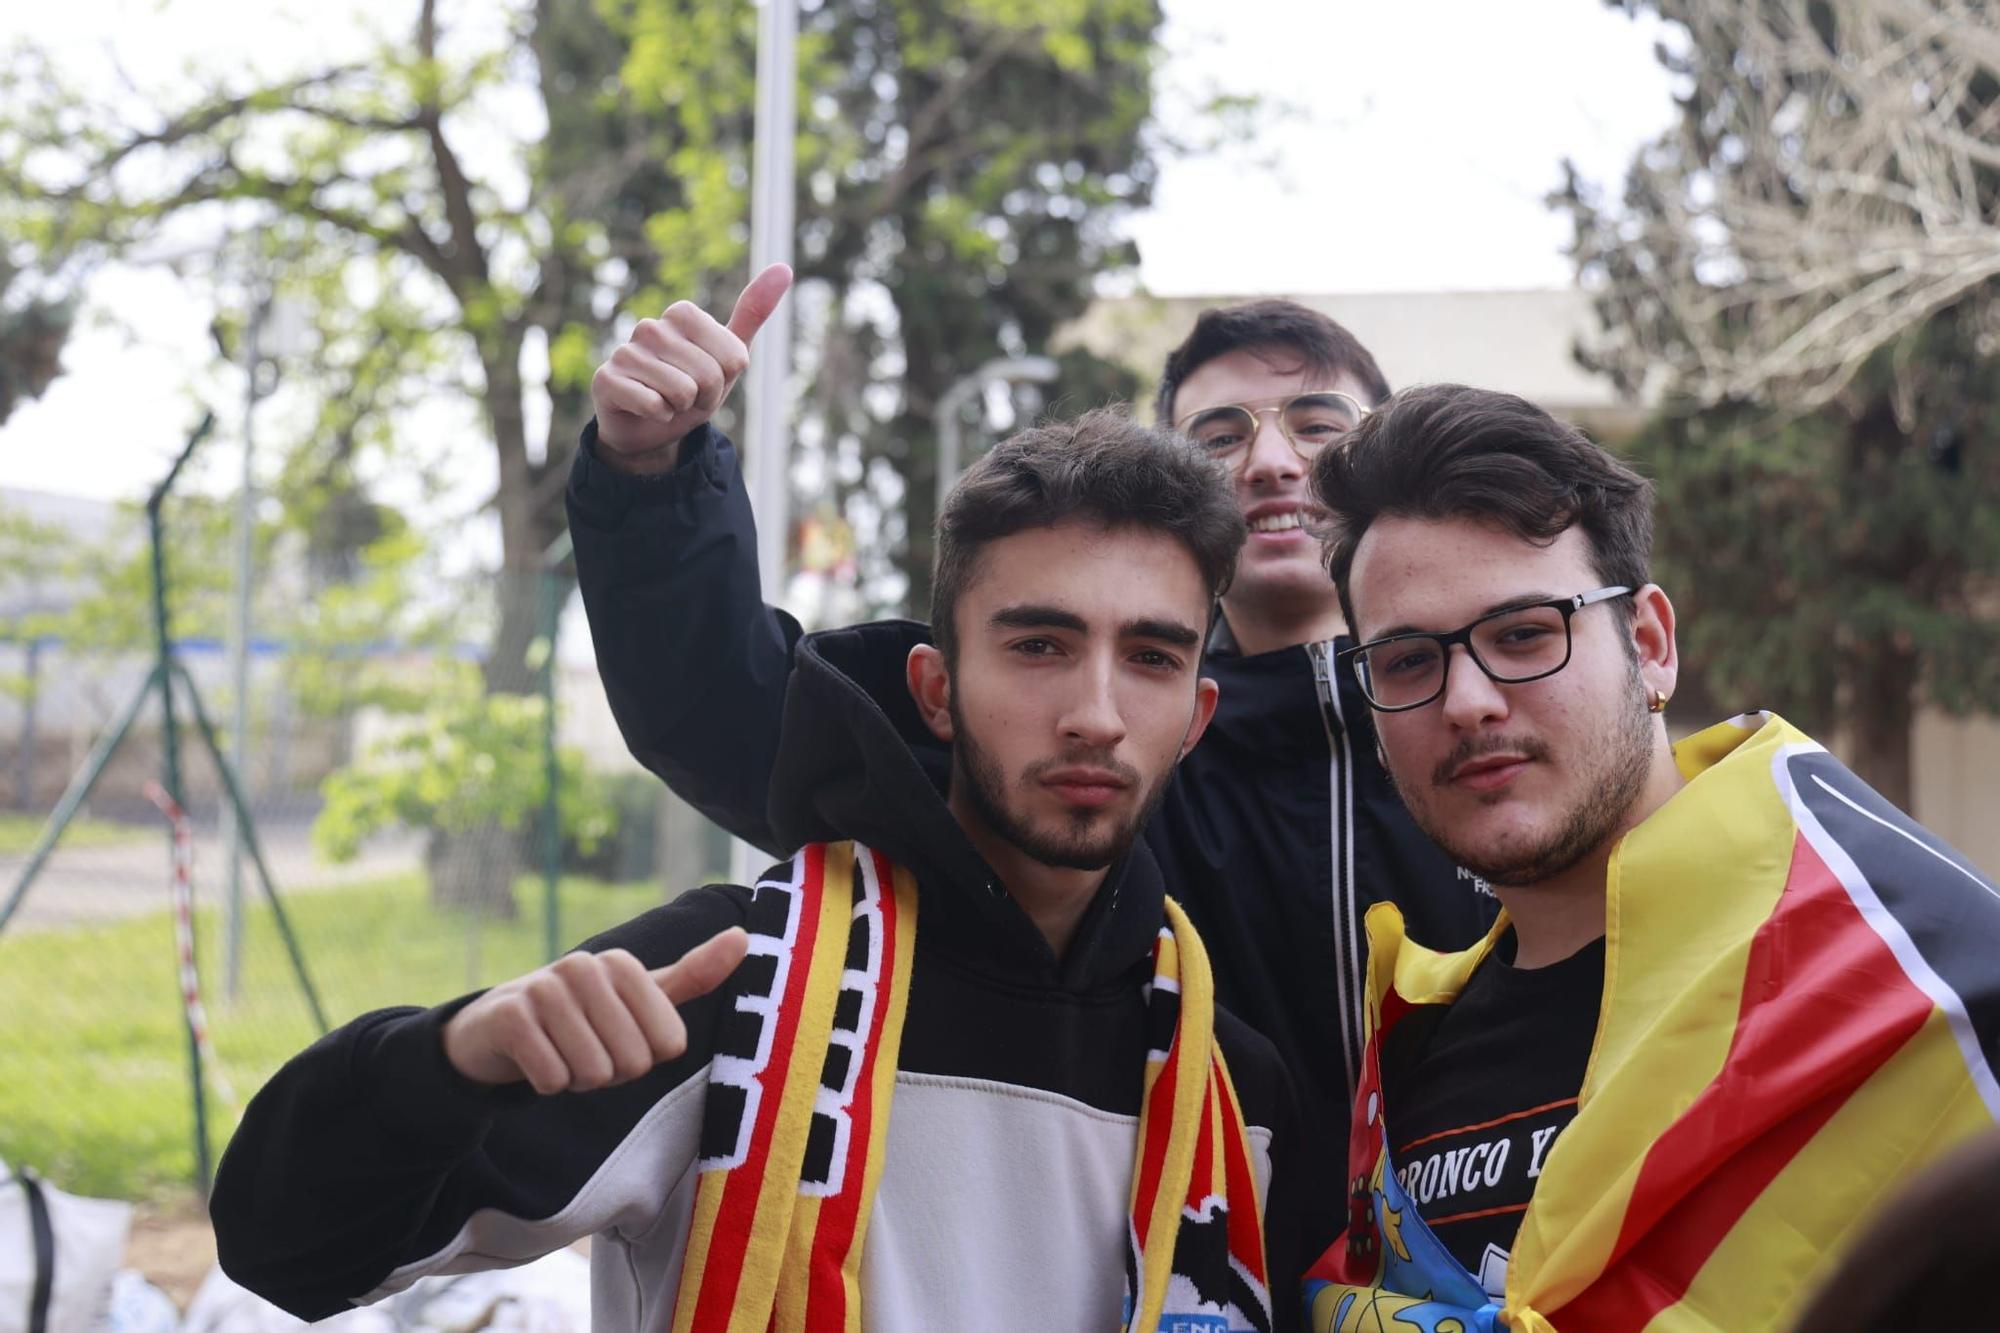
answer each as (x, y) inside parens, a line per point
(1277, 833)
(367, 1162)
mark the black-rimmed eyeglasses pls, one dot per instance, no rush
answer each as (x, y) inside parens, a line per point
(1518, 644)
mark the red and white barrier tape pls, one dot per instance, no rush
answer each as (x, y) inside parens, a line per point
(183, 895)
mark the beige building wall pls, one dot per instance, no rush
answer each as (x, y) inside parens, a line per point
(1956, 784)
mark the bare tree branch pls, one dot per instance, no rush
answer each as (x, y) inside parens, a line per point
(930, 119)
(453, 184)
(1838, 186)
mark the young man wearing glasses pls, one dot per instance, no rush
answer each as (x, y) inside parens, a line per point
(1276, 834)
(1734, 997)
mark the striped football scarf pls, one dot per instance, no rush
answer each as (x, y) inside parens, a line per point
(1801, 1009)
(798, 1106)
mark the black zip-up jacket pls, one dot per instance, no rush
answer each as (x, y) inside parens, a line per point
(1277, 834)
(367, 1162)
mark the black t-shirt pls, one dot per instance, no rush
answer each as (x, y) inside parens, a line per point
(1477, 1091)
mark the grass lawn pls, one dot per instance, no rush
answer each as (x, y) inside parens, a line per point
(18, 832)
(93, 1052)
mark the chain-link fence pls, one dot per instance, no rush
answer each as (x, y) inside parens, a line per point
(394, 892)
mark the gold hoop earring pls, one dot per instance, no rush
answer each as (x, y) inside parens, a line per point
(1659, 703)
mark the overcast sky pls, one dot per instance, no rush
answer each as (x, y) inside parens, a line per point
(1425, 135)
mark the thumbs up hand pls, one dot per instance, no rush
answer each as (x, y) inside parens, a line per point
(673, 372)
(586, 1021)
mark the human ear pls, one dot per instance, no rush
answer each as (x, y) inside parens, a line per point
(1652, 631)
(930, 686)
(1206, 692)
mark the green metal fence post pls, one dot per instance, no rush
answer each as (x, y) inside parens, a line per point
(171, 763)
(78, 792)
(233, 793)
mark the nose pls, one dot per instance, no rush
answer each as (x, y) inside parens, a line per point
(1271, 459)
(1471, 699)
(1092, 718)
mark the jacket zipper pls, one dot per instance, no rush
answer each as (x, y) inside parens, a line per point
(1340, 798)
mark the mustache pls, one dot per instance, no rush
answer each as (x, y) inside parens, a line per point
(1103, 759)
(1475, 747)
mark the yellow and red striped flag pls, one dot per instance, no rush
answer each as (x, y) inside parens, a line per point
(1801, 1008)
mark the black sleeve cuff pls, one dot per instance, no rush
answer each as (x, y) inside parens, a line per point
(410, 1083)
(601, 495)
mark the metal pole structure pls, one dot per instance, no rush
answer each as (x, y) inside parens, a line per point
(76, 794)
(555, 592)
(239, 647)
(767, 406)
(768, 411)
(233, 793)
(171, 761)
(952, 402)
(24, 763)
(100, 755)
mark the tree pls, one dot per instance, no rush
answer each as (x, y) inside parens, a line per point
(962, 170)
(1829, 186)
(1839, 565)
(33, 329)
(1016, 138)
(1797, 266)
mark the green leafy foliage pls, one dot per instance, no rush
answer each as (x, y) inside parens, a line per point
(471, 759)
(105, 604)
(453, 202)
(962, 170)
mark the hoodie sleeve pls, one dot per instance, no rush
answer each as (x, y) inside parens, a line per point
(368, 1162)
(694, 663)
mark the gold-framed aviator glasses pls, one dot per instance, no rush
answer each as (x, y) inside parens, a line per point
(1310, 421)
(1513, 645)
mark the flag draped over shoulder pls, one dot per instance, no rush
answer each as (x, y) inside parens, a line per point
(802, 1085)
(1801, 1008)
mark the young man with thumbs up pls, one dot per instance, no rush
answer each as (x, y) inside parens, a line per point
(1278, 834)
(955, 1064)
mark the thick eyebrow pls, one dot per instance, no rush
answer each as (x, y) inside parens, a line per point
(1054, 617)
(1037, 617)
(1514, 603)
(1162, 631)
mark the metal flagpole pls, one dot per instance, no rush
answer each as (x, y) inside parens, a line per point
(767, 401)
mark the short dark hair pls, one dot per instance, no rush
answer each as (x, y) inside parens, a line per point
(1103, 467)
(1446, 451)
(1321, 345)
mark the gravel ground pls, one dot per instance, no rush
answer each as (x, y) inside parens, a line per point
(172, 1246)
